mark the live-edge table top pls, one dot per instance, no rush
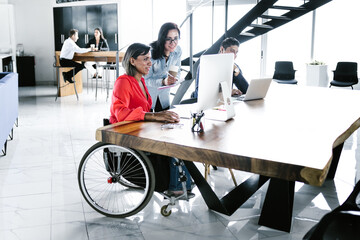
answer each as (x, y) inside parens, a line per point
(288, 135)
(91, 56)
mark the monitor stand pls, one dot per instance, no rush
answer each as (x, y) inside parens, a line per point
(223, 112)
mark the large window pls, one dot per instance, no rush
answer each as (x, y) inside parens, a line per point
(337, 33)
(290, 42)
(249, 52)
(335, 38)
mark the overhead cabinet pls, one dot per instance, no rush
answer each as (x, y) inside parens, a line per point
(86, 19)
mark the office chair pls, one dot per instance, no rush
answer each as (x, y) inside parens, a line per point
(57, 66)
(341, 223)
(345, 75)
(284, 72)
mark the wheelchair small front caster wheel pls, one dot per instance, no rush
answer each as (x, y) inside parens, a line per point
(164, 212)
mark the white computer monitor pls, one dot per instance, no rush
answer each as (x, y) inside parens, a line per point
(215, 83)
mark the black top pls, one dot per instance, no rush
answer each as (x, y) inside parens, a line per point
(103, 45)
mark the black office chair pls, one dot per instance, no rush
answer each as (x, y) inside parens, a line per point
(284, 72)
(345, 75)
(341, 223)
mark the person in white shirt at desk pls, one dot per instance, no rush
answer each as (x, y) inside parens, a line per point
(68, 50)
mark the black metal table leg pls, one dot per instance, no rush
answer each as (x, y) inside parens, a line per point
(278, 205)
(334, 163)
(234, 199)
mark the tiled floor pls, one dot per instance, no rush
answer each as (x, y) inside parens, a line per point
(40, 198)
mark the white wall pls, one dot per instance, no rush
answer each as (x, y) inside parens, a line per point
(34, 29)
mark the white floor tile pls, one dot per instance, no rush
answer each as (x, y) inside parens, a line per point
(27, 233)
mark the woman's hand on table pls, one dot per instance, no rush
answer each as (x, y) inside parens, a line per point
(164, 116)
(236, 92)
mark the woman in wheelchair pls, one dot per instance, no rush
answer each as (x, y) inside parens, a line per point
(131, 101)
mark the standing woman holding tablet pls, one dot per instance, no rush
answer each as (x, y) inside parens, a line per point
(165, 53)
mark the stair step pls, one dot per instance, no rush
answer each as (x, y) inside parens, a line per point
(261, 26)
(289, 8)
(247, 34)
(276, 17)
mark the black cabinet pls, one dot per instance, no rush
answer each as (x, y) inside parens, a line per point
(62, 25)
(110, 25)
(26, 70)
(79, 22)
(7, 64)
(86, 19)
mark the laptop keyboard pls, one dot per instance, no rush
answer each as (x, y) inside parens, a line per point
(241, 98)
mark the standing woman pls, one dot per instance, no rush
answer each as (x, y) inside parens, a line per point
(100, 45)
(165, 52)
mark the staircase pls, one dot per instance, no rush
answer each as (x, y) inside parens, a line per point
(255, 23)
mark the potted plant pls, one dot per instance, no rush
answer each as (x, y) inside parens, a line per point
(316, 74)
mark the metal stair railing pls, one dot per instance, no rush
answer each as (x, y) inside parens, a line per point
(269, 22)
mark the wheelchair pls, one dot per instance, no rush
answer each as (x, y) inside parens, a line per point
(119, 182)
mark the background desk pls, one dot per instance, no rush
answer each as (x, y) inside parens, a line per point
(295, 134)
(84, 57)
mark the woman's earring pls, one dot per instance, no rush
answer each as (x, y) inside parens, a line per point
(132, 62)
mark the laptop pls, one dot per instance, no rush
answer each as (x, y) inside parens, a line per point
(257, 89)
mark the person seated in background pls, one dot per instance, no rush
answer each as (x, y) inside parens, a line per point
(229, 45)
(99, 40)
(68, 49)
(131, 101)
(100, 44)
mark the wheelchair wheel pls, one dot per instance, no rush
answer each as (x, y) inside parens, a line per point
(116, 181)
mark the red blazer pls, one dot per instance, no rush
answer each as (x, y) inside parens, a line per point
(128, 102)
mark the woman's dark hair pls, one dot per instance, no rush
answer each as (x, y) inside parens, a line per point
(157, 46)
(101, 33)
(230, 41)
(133, 51)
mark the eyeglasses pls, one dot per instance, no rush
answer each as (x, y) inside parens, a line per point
(170, 40)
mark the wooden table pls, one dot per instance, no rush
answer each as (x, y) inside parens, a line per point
(66, 90)
(295, 134)
(91, 56)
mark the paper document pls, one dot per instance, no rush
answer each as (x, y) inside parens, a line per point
(184, 110)
(178, 82)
